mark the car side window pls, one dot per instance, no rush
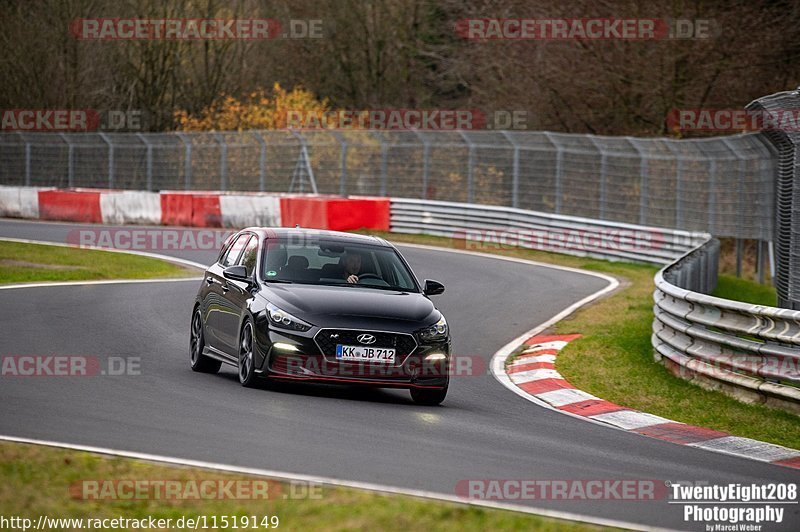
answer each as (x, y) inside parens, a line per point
(249, 255)
(230, 257)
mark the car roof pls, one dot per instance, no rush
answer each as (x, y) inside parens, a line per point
(336, 236)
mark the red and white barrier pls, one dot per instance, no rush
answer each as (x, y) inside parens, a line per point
(70, 205)
(19, 202)
(337, 214)
(196, 208)
(131, 207)
(241, 211)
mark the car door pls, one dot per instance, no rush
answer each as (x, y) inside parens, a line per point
(235, 295)
(215, 303)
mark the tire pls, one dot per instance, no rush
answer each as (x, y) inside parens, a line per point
(427, 396)
(246, 359)
(197, 342)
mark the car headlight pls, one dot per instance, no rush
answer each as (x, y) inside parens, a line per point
(284, 320)
(437, 331)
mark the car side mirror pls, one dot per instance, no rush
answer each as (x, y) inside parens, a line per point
(236, 273)
(433, 288)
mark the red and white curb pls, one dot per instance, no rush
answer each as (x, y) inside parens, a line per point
(534, 373)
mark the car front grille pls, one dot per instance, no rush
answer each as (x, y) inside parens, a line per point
(327, 339)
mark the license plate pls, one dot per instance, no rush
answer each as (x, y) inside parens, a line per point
(360, 353)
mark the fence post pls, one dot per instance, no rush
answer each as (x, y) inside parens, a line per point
(262, 161)
(603, 179)
(515, 170)
(149, 163)
(223, 162)
(712, 197)
(643, 192)
(678, 183)
(342, 163)
(187, 160)
(27, 164)
(740, 184)
(70, 162)
(110, 159)
(425, 163)
(470, 168)
(304, 161)
(384, 165)
(559, 169)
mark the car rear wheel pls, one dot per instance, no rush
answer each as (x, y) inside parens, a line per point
(200, 362)
(427, 396)
(247, 370)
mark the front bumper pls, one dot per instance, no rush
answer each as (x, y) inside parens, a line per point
(309, 362)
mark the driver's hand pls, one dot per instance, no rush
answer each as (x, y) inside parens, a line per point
(353, 279)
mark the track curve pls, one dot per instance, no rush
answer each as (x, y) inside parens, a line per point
(482, 431)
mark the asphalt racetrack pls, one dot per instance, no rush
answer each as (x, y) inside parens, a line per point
(482, 431)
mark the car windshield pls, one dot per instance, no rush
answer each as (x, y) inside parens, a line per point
(335, 263)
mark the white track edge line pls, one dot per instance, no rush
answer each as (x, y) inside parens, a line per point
(543, 512)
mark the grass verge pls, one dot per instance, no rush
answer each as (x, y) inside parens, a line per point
(25, 263)
(731, 287)
(614, 358)
(43, 481)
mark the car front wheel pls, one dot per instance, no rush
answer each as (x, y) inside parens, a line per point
(246, 366)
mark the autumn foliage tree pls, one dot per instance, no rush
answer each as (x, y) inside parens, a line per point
(257, 110)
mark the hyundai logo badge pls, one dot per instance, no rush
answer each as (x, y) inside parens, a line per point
(366, 339)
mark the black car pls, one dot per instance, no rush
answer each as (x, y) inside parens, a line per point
(320, 306)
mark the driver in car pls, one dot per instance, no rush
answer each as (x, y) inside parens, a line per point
(351, 263)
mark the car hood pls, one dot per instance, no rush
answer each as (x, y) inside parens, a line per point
(333, 306)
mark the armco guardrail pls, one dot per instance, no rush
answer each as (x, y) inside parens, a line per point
(489, 227)
(748, 351)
